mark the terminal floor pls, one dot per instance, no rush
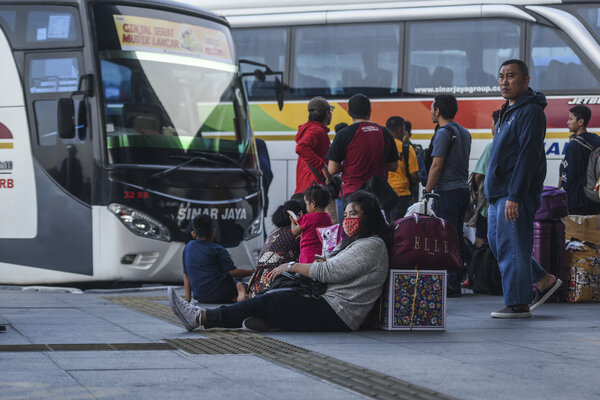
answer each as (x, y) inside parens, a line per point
(128, 346)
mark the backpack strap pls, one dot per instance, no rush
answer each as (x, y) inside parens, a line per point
(583, 142)
(405, 150)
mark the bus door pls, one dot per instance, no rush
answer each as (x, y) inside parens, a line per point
(47, 45)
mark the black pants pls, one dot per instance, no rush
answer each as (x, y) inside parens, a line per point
(286, 310)
(400, 208)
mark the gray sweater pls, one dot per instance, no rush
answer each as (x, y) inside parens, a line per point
(355, 278)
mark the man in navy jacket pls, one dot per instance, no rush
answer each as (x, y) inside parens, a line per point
(513, 186)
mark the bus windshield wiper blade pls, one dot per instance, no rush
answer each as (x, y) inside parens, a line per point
(219, 156)
(226, 158)
(186, 162)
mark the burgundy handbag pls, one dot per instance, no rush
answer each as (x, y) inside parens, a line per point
(425, 242)
(553, 204)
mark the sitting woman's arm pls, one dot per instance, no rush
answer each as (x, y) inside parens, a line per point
(355, 260)
(348, 264)
(302, 269)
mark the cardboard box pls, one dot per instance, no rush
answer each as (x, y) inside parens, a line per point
(584, 285)
(584, 227)
(413, 300)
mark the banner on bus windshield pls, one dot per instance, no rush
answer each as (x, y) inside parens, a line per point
(160, 36)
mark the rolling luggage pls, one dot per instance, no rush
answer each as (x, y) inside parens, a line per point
(549, 250)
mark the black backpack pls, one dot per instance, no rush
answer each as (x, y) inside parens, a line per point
(484, 274)
(425, 158)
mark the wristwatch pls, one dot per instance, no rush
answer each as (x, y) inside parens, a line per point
(290, 266)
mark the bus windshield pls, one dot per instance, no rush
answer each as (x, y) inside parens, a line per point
(170, 87)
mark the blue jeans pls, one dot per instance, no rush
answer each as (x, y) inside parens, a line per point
(512, 245)
(452, 206)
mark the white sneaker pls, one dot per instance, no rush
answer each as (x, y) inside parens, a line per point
(188, 314)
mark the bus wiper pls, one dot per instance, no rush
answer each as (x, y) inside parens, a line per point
(220, 156)
(187, 162)
(225, 158)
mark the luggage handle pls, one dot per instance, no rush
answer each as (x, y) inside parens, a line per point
(443, 221)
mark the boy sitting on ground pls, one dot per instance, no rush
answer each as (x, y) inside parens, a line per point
(208, 270)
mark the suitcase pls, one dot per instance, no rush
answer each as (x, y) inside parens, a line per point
(553, 204)
(549, 251)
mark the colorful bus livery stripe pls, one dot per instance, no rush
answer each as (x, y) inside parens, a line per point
(475, 114)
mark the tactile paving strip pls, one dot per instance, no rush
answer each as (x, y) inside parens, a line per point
(361, 380)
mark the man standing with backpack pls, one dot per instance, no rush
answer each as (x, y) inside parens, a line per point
(573, 169)
(448, 174)
(361, 151)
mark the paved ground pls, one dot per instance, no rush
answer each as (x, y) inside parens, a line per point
(555, 355)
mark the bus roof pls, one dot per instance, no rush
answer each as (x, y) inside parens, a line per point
(245, 7)
(188, 7)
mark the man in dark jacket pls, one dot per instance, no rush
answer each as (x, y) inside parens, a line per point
(513, 186)
(573, 169)
(312, 144)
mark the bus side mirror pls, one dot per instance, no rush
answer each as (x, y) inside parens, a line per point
(66, 118)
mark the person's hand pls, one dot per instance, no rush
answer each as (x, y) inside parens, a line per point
(275, 272)
(327, 180)
(511, 211)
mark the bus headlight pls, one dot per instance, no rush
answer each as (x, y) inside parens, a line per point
(139, 223)
(255, 228)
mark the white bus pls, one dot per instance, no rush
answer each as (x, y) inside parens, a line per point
(402, 53)
(120, 121)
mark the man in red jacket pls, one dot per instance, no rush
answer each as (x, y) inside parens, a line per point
(312, 144)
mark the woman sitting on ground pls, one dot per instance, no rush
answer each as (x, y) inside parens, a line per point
(354, 272)
(280, 247)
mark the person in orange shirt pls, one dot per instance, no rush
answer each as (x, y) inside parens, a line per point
(408, 167)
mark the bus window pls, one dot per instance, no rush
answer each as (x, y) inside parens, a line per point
(40, 26)
(555, 66)
(45, 120)
(50, 77)
(8, 20)
(358, 58)
(267, 46)
(53, 75)
(591, 16)
(459, 58)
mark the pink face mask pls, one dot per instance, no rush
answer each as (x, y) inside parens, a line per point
(351, 225)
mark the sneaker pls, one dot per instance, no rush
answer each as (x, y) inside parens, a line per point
(540, 297)
(187, 313)
(255, 324)
(517, 311)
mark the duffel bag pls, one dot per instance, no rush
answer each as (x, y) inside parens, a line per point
(553, 204)
(425, 242)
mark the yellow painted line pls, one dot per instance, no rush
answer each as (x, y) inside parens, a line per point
(278, 137)
(557, 135)
(6, 145)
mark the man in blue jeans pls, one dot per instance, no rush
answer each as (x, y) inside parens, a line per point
(449, 172)
(513, 186)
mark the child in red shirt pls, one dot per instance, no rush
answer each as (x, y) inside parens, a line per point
(316, 199)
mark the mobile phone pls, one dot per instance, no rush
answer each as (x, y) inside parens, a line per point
(293, 216)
